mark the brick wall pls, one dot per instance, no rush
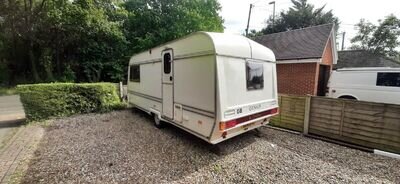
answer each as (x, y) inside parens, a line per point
(302, 78)
(326, 60)
(327, 57)
(297, 78)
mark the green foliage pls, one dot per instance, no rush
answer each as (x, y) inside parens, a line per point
(89, 40)
(42, 101)
(300, 15)
(253, 33)
(68, 75)
(381, 39)
(152, 22)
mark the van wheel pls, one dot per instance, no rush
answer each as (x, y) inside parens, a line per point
(157, 122)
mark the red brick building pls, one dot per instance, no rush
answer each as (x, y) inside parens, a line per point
(304, 58)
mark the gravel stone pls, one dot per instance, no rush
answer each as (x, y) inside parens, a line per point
(125, 147)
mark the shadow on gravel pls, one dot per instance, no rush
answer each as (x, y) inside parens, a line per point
(12, 123)
(121, 147)
(224, 148)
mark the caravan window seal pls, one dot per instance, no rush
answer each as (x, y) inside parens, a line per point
(254, 75)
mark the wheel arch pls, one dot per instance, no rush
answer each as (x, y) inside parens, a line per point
(348, 96)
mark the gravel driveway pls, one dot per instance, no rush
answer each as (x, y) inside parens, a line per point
(124, 147)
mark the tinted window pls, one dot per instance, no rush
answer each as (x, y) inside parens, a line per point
(254, 75)
(388, 79)
(167, 63)
(134, 74)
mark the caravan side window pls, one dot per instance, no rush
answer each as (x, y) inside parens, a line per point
(167, 63)
(254, 75)
(388, 79)
(134, 73)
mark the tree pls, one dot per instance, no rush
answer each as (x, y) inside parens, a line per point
(300, 15)
(152, 22)
(20, 22)
(381, 39)
(91, 40)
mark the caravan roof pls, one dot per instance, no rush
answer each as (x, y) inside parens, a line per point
(205, 43)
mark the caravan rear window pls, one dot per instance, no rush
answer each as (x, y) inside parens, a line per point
(134, 73)
(388, 79)
(254, 75)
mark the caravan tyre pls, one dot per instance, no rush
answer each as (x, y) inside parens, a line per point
(157, 122)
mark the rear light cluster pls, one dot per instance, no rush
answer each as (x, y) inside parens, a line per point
(233, 123)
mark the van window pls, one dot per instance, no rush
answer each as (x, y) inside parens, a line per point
(388, 79)
(134, 73)
(254, 75)
(167, 63)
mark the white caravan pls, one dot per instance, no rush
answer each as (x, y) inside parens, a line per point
(366, 84)
(213, 85)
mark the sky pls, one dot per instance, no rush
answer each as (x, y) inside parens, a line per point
(349, 12)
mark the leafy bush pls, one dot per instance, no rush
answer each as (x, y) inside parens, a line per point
(42, 101)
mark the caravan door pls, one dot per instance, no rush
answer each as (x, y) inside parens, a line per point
(167, 84)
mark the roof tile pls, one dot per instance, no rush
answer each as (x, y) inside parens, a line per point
(298, 44)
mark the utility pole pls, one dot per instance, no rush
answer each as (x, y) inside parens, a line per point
(273, 13)
(344, 34)
(248, 20)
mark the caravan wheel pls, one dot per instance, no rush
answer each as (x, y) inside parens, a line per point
(157, 122)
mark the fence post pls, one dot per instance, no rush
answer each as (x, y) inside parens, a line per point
(342, 117)
(307, 108)
(121, 90)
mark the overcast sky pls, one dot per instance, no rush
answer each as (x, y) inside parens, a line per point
(235, 13)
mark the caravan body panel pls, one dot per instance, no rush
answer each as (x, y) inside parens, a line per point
(206, 78)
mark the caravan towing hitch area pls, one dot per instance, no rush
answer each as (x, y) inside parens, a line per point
(125, 147)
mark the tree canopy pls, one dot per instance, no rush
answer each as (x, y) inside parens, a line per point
(302, 14)
(91, 40)
(382, 38)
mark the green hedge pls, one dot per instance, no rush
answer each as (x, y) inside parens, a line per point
(42, 101)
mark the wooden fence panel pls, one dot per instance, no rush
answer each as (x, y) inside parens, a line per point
(373, 125)
(291, 113)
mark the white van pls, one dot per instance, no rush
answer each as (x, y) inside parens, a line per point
(213, 85)
(366, 84)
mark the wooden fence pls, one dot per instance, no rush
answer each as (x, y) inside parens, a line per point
(372, 125)
(291, 113)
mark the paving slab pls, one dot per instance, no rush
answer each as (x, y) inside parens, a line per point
(11, 109)
(18, 151)
(11, 115)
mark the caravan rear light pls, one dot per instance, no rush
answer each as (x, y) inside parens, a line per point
(227, 125)
(230, 124)
(233, 123)
(274, 111)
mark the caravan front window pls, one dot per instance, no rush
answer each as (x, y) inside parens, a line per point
(134, 73)
(254, 75)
